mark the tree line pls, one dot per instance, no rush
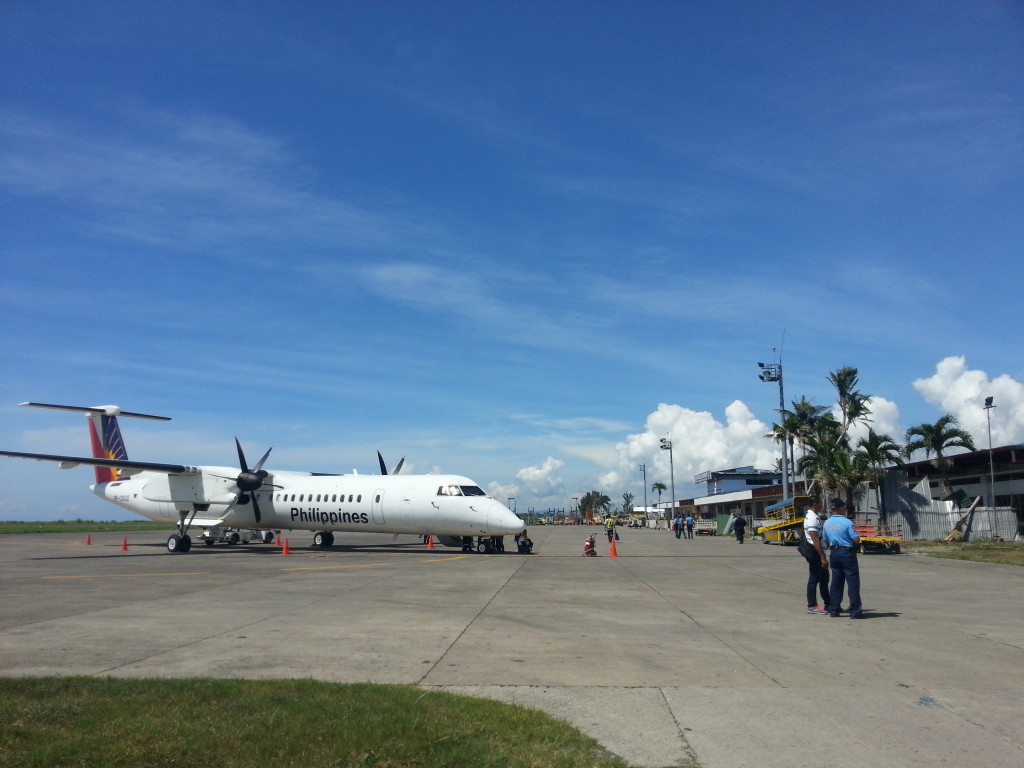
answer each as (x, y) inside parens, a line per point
(828, 456)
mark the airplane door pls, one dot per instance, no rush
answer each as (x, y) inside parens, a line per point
(377, 510)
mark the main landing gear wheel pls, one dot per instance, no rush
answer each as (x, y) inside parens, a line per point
(179, 543)
(323, 539)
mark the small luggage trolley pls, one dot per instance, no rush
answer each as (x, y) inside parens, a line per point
(879, 538)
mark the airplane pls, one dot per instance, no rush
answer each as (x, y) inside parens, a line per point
(449, 507)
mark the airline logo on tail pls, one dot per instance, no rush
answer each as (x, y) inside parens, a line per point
(110, 447)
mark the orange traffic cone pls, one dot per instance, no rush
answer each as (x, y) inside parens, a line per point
(88, 538)
(279, 539)
(285, 550)
(124, 544)
(430, 542)
(612, 552)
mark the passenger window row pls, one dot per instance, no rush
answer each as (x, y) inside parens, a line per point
(334, 497)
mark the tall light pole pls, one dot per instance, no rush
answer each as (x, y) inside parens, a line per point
(773, 372)
(989, 405)
(643, 468)
(577, 510)
(666, 445)
(512, 504)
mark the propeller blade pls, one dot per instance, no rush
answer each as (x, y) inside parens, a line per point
(231, 506)
(399, 466)
(383, 466)
(260, 463)
(241, 456)
(255, 506)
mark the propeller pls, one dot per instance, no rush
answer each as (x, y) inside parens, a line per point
(384, 467)
(248, 481)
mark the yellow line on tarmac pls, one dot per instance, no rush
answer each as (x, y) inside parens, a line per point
(446, 559)
(130, 575)
(334, 567)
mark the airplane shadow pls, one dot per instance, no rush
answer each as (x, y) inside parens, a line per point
(255, 550)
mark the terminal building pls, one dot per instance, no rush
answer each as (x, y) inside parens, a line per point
(912, 496)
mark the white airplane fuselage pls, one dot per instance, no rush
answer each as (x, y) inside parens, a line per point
(444, 505)
(450, 507)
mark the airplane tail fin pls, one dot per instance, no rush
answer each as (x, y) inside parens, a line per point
(104, 433)
(106, 444)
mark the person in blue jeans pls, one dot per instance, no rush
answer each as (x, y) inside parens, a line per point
(838, 534)
(813, 551)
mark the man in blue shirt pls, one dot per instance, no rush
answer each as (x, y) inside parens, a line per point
(838, 534)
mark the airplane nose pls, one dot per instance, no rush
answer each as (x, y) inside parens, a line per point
(501, 518)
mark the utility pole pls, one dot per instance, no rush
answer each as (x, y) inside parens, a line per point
(643, 468)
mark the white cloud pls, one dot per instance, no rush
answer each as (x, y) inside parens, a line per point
(542, 479)
(609, 482)
(884, 419)
(502, 492)
(962, 392)
(699, 442)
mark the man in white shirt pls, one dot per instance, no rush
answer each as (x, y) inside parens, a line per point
(817, 561)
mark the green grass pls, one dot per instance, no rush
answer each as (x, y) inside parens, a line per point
(84, 721)
(998, 552)
(79, 526)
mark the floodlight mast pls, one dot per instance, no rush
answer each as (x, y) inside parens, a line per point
(666, 445)
(773, 372)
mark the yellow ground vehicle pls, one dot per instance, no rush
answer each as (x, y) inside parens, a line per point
(879, 538)
(785, 521)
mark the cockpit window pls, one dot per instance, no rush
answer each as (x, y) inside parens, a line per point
(460, 490)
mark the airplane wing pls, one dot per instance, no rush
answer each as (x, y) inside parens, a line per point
(129, 467)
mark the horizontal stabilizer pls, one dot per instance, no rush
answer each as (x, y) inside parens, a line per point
(138, 466)
(109, 410)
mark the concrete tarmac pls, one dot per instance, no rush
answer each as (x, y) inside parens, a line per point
(674, 653)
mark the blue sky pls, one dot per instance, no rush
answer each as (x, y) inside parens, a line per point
(517, 241)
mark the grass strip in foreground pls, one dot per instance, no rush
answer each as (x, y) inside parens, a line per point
(85, 721)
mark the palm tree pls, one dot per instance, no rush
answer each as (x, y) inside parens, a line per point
(798, 425)
(820, 463)
(852, 404)
(878, 452)
(627, 503)
(658, 488)
(831, 464)
(850, 471)
(936, 439)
